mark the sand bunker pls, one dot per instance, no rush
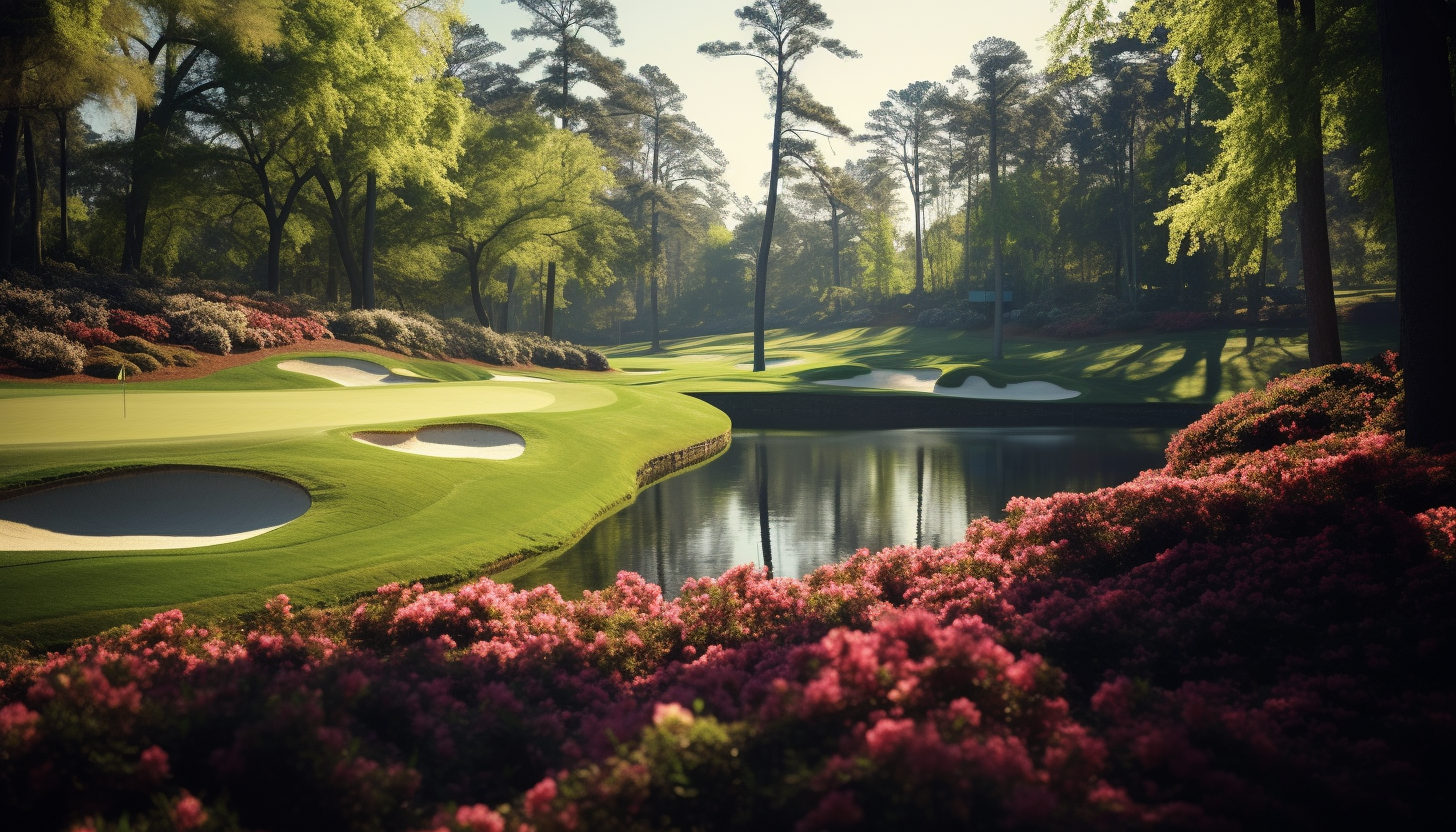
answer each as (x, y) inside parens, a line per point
(645, 372)
(160, 508)
(450, 441)
(351, 372)
(508, 377)
(974, 387)
(771, 362)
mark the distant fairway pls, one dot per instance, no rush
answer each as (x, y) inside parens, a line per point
(377, 515)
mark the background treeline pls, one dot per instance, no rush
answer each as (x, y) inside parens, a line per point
(374, 154)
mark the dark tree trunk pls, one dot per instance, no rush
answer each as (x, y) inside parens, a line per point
(145, 140)
(1306, 126)
(63, 130)
(1421, 124)
(915, 199)
(548, 314)
(339, 222)
(997, 266)
(656, 266)
(366, 271)
(331, 279)
(834, 241)
(472, 263)
(9, 183)
(35, 195)
(506, 310)
(966, 230)
(760, 270)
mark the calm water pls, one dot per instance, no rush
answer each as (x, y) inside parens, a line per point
(797, 501)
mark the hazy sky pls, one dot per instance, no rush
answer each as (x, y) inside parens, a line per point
(899, 43)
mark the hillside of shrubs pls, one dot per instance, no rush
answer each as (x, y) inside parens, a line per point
(64, 321)
(1260, 635)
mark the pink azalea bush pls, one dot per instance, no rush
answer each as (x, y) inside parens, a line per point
(88, 335)
(1258, 636)
(153, 328)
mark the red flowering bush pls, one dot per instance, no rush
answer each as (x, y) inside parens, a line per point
(266, 329)
(1258, 636)
(153, 328)
(1340, 399)
(1181, 321)
(90, 336)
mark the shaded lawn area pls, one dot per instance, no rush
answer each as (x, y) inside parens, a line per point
(1208, 365)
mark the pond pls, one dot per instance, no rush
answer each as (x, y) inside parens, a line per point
(796, 501)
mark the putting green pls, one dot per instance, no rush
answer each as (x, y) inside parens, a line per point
(174, 415)
(375, 517)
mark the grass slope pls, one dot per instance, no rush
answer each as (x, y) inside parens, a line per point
(1208, 365)
(377, 515)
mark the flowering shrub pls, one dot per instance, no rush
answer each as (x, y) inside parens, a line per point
(32, 308)
(470, 340)
(151, 327)
(44, 351)
(1343, 400)
(266, 329)
(1181, 321)
(210, 326)
(1258, 636)
(399, 331)
(90, 336)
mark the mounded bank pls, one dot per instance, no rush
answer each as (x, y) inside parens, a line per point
(376, 516)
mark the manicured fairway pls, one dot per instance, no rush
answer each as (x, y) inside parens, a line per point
(1207, 365)
(377, 515)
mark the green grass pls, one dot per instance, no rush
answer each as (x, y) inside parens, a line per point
(377, 515)
(1208, 365)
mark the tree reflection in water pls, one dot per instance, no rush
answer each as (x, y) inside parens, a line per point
(793, 501)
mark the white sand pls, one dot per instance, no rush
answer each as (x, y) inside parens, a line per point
(974, 387)
(158, 509)
(351, 372)
(645, 372)
(451, 442)
(509, 377)
(771, 362)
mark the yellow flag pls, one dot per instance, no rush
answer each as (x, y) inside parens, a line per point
(121, 373)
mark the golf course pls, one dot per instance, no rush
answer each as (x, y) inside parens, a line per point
(376, 515)
(497, 468)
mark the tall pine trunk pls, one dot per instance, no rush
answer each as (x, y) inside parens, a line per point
(366, 270)
(1307, 129)
(998, 268)
(760, 270)
(63, 130)
(36, 196)
(9, 183)
(548, 313)
(1421, 123)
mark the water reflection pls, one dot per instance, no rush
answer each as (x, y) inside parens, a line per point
(794, 501)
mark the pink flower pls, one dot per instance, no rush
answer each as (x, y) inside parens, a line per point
(153, 766)
(480, 818)
(540, 797)
(188, 813)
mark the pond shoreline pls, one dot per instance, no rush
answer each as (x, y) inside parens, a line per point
(838, 411)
